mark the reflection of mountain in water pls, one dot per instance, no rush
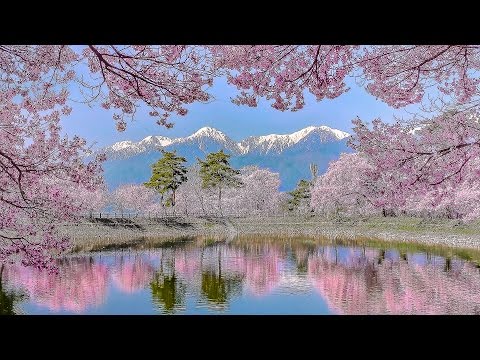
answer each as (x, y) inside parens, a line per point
(351, 280)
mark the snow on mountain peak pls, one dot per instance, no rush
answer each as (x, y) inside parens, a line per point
(264, 144)
(299, 135)
(121, 145)
(208, 132)
(156, 140)
(339, 134)
(277, 143)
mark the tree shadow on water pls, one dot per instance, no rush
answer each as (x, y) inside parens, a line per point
(8, 298)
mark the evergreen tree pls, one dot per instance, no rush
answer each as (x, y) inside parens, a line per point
(216, 172)
(300, 195)
(168, 173)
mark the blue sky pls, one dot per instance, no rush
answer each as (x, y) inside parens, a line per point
(97, 126)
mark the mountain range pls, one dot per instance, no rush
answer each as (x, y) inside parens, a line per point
(288, 154)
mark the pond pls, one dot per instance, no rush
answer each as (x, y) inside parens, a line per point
(248, 276)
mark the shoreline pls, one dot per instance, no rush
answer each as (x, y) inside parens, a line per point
(104, 233)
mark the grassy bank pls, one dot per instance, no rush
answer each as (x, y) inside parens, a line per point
(109, 232)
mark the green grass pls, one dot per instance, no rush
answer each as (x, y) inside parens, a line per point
(410, 224)
(209, 225)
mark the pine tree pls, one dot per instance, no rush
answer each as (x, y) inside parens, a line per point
(216, 172)
(168, 173)
(300, 195)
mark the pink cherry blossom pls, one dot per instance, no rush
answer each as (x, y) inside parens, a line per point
(134, 198)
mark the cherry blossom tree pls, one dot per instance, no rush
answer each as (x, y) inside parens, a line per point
(457, 200)
(92, 201)
(348, 187)
(38, 167)
(282, 73)
(192, 198)
(168, 77)
(133, 198)
(402, 74)
(430, 158)
(258, 196)
(398, 74)
(353, 186)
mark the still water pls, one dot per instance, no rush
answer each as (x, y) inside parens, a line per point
(261, 276)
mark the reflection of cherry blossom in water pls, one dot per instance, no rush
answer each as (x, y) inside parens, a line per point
(131, 275)
(260, 267)
(365, 286)
(263, 272)
(79, 284)
(187, 263)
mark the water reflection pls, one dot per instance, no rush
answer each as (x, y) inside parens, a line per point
(80, 283)
(131, 275)
(247, 275)
(168, 292)
(8, 297)
(395, 283)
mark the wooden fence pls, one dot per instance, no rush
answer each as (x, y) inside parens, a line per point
(153, 216)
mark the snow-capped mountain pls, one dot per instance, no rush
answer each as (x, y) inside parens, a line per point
(274, 143)
(130, 148)
(288, 154)
(207, 137)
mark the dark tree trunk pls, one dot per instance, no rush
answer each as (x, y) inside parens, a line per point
(220, 200)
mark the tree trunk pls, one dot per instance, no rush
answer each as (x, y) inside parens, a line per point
(220, 200)
(163, 206)
(173, 202)
(219, 264)
(200, 196)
